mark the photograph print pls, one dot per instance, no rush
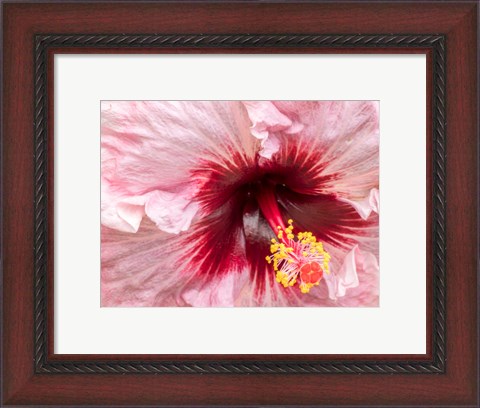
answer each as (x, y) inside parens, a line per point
(240, 203)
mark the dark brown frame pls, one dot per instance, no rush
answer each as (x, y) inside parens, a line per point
(33, 375)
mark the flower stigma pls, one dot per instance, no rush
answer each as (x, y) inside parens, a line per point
(298, 258)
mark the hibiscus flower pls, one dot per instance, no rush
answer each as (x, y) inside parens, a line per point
(228, 203)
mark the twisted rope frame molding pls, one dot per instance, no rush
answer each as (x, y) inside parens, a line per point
(43, 42)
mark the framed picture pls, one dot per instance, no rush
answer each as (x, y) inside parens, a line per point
(239, 203)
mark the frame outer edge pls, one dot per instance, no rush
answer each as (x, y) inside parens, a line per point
(44, 41)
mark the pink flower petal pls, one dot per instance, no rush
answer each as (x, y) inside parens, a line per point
(357, 278)
(266, 121)
(170, 212)
(270, 146)
(265, 118)
(124, 216)
(222, 292)
(132, 211)
(367, 205)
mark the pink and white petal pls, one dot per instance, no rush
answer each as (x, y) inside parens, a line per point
(266, 121)
(270, 146)
(308, 117)
(356, 281)
(122, 214)
(367, 205)
(266, 118)
(366, 294)
(347, 277)
(171, 212)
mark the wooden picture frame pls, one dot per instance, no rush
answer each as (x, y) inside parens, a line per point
(34, 375)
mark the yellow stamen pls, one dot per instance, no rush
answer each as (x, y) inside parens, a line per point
(291, 253)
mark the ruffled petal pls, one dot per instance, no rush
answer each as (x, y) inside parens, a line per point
(345, 278)
(266, 121)
(171, 212)
(266, 118)
(367, 205)
(356, 282)
(125, 216)
(270, 146)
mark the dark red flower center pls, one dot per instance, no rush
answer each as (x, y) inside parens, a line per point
(244, 204)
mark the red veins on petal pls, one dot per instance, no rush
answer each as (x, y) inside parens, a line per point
(311, 272)
(329, 219)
